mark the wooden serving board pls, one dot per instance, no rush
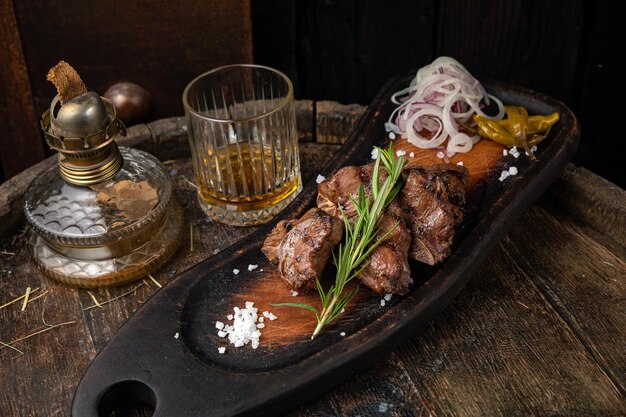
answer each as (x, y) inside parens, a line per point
(167, 354)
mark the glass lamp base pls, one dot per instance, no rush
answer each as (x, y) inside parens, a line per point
(114, 271)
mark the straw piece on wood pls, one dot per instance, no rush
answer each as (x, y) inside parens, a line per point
(50, 327)
(15, 300)
(26, 296)
(157, 283)
(11, 347)
(114, 298)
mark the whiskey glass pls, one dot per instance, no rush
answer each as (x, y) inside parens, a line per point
(244, 144)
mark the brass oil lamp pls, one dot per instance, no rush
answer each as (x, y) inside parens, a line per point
(105, 215)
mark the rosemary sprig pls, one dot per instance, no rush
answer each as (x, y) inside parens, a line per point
(360, 239)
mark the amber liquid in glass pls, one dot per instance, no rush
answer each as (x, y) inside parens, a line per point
(248, 176)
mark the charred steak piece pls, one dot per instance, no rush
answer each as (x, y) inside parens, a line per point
(433, 199)
(301, 247)
(431, 204)
(388, 270)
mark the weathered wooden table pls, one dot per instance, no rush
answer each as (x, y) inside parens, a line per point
(540, 330)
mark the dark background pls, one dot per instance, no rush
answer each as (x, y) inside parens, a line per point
(340, 50)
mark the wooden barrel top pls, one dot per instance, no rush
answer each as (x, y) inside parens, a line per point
(539, 330)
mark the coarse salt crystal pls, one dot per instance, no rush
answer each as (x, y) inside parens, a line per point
(235, 271)
(252, 267)
(176, 336)
(504, 175)
(293, 293)
(440, 155)
(221, 350)
(382, 302)
(513, 150)
(239, 343)
(392, 135)
(505, 152)
(320, 178)
(219, 325)
(342, 334)
(222, 333)
(400, 153)
(512, 170)
(374, 153)
(412, 154)
(271, 316)
(460, 163)
(387, 297)
(266, 314)
(249, 305)
(229, 317)
(260, 319)
(260, 325)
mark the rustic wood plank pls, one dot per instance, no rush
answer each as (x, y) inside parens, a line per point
(21, 144)
(160, 45)
(348, 49)
(305, 120)
(444, 355)
(334, 122)
(170, 138)
(513, 41)
(274, 36)
(601, 150)
(40, 382)
(499, 350)
(581, 272)
(591, 199)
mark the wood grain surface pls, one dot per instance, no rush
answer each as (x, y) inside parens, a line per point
(21, 142)
(538, 331)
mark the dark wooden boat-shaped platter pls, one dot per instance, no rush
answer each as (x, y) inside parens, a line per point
(166, 355)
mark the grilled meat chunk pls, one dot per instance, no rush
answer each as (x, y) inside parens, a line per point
(301, 247)
(431, 204)
(433, 199)
(388, 269)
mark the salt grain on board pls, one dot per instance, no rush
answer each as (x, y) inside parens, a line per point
(245, 328)
(320, 179)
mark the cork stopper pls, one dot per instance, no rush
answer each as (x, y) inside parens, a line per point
(67, 81)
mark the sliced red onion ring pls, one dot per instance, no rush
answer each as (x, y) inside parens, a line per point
(440, 99)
